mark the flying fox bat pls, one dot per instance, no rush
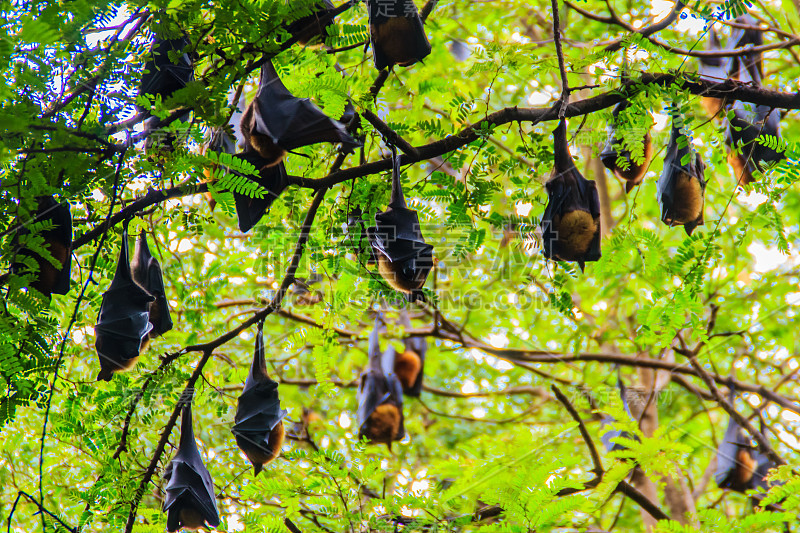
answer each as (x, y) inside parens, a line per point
(50, 279)
(277, 121)
(681, 187)
(307, 29)
(396, 33)
(740, 465)
(571, 221)
(714, 69)
(259, 418)
(147, 272)
(404, 259)
(742, 37)
(272, 178)
(123, 323)
(631, 172)
(380, 397)
(409, 364)
(748, 122)
(163, 77)
(608, 438)
(190, 502)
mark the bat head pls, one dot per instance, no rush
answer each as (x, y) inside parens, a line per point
(272, 178)
(571, 221)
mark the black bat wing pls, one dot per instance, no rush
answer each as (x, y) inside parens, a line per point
(189, 482)
(727, 456)
(52, 280)
(396, 398)
(292, 122)
(418, 345)
(60, 236)
(741, 37)
(162, 76)
(314, 25)
(258, 412)
(714, 68)
(274, 179)
(569, 193)
(147, 272)
(679, 195)
(123, 322)
(373, 390)
(396, 33)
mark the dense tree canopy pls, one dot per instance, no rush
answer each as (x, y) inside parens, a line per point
(526, 355)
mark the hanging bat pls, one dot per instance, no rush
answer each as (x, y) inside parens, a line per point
(162, 77)
(380, 397)
(404, 259)
(123, 323)
(609, 437)
(681, 187)
(190, 502)
(50, 279)
(748, 121)
(258, 424)
(272, 178)
(571, 221)
(714, 69)
(307, 29)
(740, 38)
(630, 171)
(396, 33)
(740, 466)
(276, 121)
(146, 271)
(409, 364)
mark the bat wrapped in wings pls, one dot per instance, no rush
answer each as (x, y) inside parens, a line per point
(276, 121)
(258, 427)
(714, 69)
(308, 29)
(609, 438)
(396, 33)
(50, 278)
(163, 76)
(271, 177)
(681, 187)
(404, 259)
(408, 365)
(190, 502)
(571, 221)
(618, 159)
(380, 397)
(123, 324)
(147, 272)
(744, 126)
(740, 465)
